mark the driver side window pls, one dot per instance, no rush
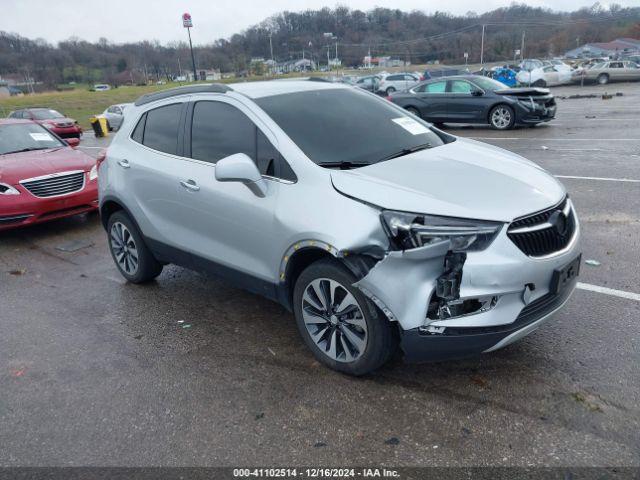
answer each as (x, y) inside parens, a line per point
(219, 130)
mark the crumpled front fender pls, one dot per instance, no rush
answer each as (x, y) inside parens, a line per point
(402, 283)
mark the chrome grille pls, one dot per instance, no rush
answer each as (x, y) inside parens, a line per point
(546, 232)
(55, 184)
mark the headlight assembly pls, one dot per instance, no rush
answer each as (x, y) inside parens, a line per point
(93, 174)
(8, 190)
(411, 230)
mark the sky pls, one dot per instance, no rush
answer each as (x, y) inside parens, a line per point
(134, 20)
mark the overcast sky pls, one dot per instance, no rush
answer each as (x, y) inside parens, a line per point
(134, 20)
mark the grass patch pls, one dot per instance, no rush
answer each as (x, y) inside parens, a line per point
(81, 104)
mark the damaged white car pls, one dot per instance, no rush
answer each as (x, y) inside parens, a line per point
(373, 227)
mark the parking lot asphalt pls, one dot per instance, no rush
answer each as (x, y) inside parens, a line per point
(94, 371)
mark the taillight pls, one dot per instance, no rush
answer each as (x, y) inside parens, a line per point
(102, 156)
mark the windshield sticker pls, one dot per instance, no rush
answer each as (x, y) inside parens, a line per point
(410, 125)
(41, 137)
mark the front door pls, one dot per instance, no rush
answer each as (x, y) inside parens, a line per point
(230, 229)
(462, 105)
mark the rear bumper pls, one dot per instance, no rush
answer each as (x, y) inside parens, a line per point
(68, 132)
(26, 209)
(463, 342)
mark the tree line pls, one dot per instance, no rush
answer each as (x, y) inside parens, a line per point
(415, 37)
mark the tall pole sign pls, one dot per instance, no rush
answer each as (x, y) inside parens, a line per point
(188, 23)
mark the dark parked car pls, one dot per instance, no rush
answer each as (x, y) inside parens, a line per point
(476, 99)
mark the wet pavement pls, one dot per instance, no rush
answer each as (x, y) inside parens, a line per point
(94, 371)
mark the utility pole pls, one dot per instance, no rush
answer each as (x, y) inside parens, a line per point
(482, 48)
(188, 23)
(271, 45)
(522, 47)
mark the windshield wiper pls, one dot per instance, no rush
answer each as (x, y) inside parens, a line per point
(28, 149)
(407, 151)
(344, 165)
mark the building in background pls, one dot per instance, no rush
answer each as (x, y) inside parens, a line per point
(616, 48)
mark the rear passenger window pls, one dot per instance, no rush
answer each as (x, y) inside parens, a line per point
(161, 128)
(437, 87)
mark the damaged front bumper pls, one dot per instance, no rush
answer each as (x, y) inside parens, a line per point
(452, 307)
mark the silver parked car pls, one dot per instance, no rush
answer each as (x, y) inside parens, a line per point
(613, 70)
(397, 82)
(372, 233)
(115, 115)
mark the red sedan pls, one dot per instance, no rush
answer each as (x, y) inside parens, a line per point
(41, 176)
(51, 119)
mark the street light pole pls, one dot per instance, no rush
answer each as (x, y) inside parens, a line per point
(193, 58)
(187, 23)
(482, 48)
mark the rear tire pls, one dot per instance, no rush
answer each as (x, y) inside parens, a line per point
(414, 111)
(131, 255)
(502, 117)
(390, 90)
(343, 329)
(603, 79)
(539, 83)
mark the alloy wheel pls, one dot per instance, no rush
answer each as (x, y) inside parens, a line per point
(334, 320)
(501, 117)
(124, 248)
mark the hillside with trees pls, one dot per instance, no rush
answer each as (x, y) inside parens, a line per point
(415, 37)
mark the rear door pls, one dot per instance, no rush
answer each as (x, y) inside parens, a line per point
(432, 100)
(149, 171)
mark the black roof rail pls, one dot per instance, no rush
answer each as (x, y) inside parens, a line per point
(172, 92)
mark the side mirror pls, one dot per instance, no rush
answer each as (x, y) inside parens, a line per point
(73, 142)
(240, 168)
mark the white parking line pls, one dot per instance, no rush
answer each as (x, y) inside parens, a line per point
(609, 291)
(603, 179)
(538, 139)
(94, 148)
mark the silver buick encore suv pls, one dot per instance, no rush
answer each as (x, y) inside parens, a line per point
(372, 226)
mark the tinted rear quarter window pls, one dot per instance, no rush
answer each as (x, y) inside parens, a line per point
(161, 128)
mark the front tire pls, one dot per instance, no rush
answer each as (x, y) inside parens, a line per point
(502, 117)
(390, 90)
(603, 79)
(343, 329)
(131, 255)
(539, 83)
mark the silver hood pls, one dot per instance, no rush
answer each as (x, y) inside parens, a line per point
(465, 179)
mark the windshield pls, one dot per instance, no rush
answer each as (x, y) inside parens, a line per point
(24, 137)
(489, 84)
(347, 125)
(46, 114)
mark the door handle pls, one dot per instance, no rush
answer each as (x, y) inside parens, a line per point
(190, 185)
(124, 163)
